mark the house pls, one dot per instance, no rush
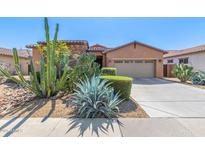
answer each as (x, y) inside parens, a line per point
(133, 59)
(194, 56)
(6, 60)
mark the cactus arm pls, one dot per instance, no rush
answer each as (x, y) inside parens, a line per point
(43, 76)
(17, 66)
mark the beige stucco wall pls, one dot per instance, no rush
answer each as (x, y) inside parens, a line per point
(137, 51)
(196, 60)
(8, 61)
(36, 58)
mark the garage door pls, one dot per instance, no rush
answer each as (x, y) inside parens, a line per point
(135, 68)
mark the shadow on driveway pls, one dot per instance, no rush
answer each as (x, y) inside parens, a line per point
(151, 81)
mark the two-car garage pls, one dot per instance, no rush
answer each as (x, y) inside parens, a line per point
(136, 60)
(135, 68)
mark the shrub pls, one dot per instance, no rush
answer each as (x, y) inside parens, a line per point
(109, 71)
(198, 78)
(85, 67)
(121, 84)
(96, 99)
(183, 72)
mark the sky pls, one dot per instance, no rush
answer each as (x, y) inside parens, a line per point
(163, 33)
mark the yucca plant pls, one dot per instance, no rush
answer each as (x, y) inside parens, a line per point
(183, 72)
(48, 84)
(95, 98)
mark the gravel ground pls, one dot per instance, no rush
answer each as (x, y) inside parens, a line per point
(13, 95)
(17, 101)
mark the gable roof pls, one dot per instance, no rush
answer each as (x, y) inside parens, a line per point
(70, 42)
(175, 53)
(134, 42)
(23, 53)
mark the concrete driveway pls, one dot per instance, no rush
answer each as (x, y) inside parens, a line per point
(161, 98)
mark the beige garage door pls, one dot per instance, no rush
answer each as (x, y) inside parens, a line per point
(135, 68)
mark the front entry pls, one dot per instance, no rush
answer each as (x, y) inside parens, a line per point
(99, 60)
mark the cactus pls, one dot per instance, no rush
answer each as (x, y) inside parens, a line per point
(48, 84)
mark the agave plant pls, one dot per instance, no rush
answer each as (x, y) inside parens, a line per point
(183, 72)
(49, 83)
(198, 78)
(95, 98)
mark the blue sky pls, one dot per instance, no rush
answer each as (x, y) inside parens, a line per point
(164, 33)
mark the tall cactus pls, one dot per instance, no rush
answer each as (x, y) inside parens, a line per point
(48, 84)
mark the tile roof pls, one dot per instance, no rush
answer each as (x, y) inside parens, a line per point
(80, 42)
(97, 47)
(175, 53)
(23, 53)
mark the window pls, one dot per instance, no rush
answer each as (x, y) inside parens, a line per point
(170, 61)
(183, 61)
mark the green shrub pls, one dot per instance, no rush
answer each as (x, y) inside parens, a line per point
(85, 67)
(121, 84)
(109, 71)
(95, 98)
(183, 72)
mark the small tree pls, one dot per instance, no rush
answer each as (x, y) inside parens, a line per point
(183, 72)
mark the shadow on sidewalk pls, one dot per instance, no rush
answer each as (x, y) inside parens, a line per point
(97, 126)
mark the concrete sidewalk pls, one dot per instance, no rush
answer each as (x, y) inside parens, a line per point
(125, 127)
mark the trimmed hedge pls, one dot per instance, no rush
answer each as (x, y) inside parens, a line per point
(109, 71)
(121, 84)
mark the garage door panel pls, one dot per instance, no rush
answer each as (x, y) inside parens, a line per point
(141, 68)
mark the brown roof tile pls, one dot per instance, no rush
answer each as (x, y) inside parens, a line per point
(175, 53)
(23, 53)
(79, 42)
(97, 47)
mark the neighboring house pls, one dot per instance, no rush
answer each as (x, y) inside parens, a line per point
(134, 59)
(6, 60)
(194, 56)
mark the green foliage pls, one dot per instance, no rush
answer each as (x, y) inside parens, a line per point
(49, 83)
(183, 72)
(109, 71)
(120, 84)
(61, 49)
(85, 67)
(198, 78)
(96, 99)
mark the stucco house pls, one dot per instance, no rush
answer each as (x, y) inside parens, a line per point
(194, 56)
(6, 60)
(133, 59)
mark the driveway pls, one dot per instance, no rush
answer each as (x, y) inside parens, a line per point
(161, 98)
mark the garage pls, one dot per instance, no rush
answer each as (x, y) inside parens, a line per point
(135, 59)
(135, 68)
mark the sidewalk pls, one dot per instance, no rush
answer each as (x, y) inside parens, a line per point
(125, 127)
